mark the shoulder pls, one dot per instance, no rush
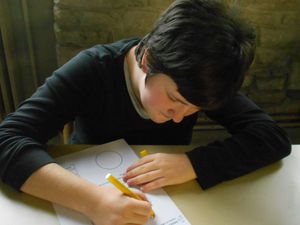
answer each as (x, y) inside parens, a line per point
(111, 50)
(238, 103)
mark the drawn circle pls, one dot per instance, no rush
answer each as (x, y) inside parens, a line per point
(109, 160)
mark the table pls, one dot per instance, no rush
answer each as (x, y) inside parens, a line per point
(269, 196)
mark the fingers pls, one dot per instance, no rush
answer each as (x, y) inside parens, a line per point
(141, 212)
(152, 182)
(143, 196)
(139, 219)
(144, 160)
(162, 182)
(146, 173)
(159, 170)
(142, 207)
(144, 177)
(143, 168)
(144, 165)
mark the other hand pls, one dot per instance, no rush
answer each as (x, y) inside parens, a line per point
(159, 170)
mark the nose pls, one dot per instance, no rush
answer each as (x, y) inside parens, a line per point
(176, 115)
(178, 118)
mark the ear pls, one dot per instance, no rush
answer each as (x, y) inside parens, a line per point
(144, 61)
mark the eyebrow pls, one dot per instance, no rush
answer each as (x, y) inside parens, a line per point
(171, 96)
(186, 102)
(183, 102)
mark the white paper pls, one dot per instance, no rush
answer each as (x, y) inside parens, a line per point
(115, 157)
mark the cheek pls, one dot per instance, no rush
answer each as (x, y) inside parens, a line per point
(149, 101)
(152, 101)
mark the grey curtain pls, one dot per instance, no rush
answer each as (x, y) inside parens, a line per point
(27, 49)
(6, 102)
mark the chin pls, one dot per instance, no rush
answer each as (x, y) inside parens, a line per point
(159, 120)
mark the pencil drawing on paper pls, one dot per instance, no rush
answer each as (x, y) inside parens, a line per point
(95, 163)
(72, 168)
(109, 160)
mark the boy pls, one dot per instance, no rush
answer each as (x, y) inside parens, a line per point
(149, 92)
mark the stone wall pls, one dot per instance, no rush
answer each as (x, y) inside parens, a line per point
(80, 24)
(273, 82)
(274, 79)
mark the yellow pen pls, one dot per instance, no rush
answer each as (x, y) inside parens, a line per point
(124, 189)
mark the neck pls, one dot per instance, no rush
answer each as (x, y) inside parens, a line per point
(136, 75)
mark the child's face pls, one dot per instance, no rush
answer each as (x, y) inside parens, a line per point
(162, 101)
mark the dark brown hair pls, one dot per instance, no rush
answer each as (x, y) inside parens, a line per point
(204, 47)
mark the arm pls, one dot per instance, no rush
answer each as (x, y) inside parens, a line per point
(103, 205)
(256, 141)
(25, 165)
(23, 134)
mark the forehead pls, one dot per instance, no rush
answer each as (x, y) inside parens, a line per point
(161, 80)
(170, 88)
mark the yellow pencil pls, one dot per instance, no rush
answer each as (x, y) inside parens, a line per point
(124, 189)
(143, 153)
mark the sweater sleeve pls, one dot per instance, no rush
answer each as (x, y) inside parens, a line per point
(23, 134)
(256, 141)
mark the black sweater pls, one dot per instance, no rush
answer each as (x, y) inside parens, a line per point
(90, 89)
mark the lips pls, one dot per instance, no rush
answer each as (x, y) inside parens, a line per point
(165, 116)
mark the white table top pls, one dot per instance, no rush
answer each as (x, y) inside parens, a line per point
(269, 196)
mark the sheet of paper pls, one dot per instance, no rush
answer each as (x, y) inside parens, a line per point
(115, 157)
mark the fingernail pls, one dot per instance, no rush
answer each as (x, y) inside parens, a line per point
(130, 182)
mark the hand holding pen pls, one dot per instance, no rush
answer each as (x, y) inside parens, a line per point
(123, 188)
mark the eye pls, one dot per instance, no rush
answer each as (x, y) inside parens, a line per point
(172, 98)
